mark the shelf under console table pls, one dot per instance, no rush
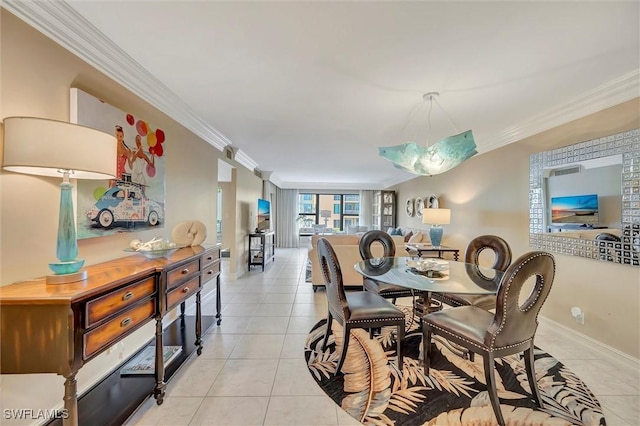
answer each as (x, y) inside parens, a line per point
(47, 328)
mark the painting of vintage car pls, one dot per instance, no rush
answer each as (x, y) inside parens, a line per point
(125, 202)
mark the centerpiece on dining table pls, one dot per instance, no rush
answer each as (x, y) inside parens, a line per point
(429, 267)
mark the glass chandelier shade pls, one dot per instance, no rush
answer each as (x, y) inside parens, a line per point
(440, 157)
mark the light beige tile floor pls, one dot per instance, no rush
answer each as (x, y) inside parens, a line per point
(252, 369)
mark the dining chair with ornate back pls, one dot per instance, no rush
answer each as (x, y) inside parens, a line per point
(386, 290)
(510, 330)
(502, 260)
(355, 309)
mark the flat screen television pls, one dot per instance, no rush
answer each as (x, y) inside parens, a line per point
(264, 215)
(572, 209)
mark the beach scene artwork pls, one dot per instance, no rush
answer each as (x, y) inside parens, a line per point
(575, 209)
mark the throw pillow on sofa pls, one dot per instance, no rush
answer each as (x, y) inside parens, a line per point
(408, 236)
(415, 238)
(394, 231)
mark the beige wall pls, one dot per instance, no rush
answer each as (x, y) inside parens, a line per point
(248, 190)
(228, 215)
(36, 75)
(239, 204)
(489, 194)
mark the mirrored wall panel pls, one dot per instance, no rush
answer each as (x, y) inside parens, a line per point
(584, 199)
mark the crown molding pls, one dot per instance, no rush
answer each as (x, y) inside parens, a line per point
(64, 25)
(622, 89)
(242, 158)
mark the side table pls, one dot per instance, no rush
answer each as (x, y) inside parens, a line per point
(438, 250)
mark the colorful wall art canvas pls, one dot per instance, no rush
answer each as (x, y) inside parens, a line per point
(135, 200)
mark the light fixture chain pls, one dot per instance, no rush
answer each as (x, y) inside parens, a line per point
(429, 120)
(411, 114)
(455, 128)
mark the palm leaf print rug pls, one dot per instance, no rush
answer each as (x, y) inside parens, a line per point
(373, 391)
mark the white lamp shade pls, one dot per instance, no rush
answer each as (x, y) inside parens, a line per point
(436, 216)
(44, 147)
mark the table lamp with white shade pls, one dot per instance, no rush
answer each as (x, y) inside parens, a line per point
(44, 147)
(436, 217)
(325, 214)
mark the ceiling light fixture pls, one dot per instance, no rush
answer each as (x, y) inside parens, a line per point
(438, 158)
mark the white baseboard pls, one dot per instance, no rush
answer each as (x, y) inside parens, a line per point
(605, 349)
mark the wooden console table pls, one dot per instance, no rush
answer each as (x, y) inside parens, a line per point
(47, 328)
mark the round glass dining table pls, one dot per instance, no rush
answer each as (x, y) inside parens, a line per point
(457, 278)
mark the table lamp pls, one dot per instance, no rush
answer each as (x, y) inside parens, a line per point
(326, 214)
(39, 146)
(436, 217)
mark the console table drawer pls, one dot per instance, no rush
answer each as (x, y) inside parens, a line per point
(211, 271)
(178, 275)
(102, 336)
(183, 292)
(104, 306)
(210, 257)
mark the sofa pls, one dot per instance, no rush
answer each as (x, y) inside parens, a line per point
(348, 253)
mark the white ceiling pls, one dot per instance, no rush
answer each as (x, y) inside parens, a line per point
(310, 90)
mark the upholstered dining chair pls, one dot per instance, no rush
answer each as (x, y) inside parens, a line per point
(502, 260)
(511, 329)
(357, 309)
(386, 290)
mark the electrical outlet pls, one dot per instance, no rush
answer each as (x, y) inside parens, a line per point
(578, 315)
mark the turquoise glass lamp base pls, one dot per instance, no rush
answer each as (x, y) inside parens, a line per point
(67, 269)
(67, 272)
(435, 233)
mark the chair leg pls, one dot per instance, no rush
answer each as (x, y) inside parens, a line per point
(489, 373)
(531, 375)
(471, 356)
(346, 332)
(426, 349)
(400, 344)
(328, 332)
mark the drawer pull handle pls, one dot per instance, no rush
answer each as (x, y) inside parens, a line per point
(185, 271)
(125, 322)
(209, 257)
(128, 295)
(209, 272)
(185, 290)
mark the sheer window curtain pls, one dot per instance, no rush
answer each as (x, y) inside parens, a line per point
(286, 225)
(366, 207)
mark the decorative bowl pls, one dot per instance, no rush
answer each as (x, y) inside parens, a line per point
(428, 264)
(153, 254)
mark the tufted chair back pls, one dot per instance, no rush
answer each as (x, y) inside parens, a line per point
(497, 244)
(514, 324)
(332, 274)
(372, 237)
